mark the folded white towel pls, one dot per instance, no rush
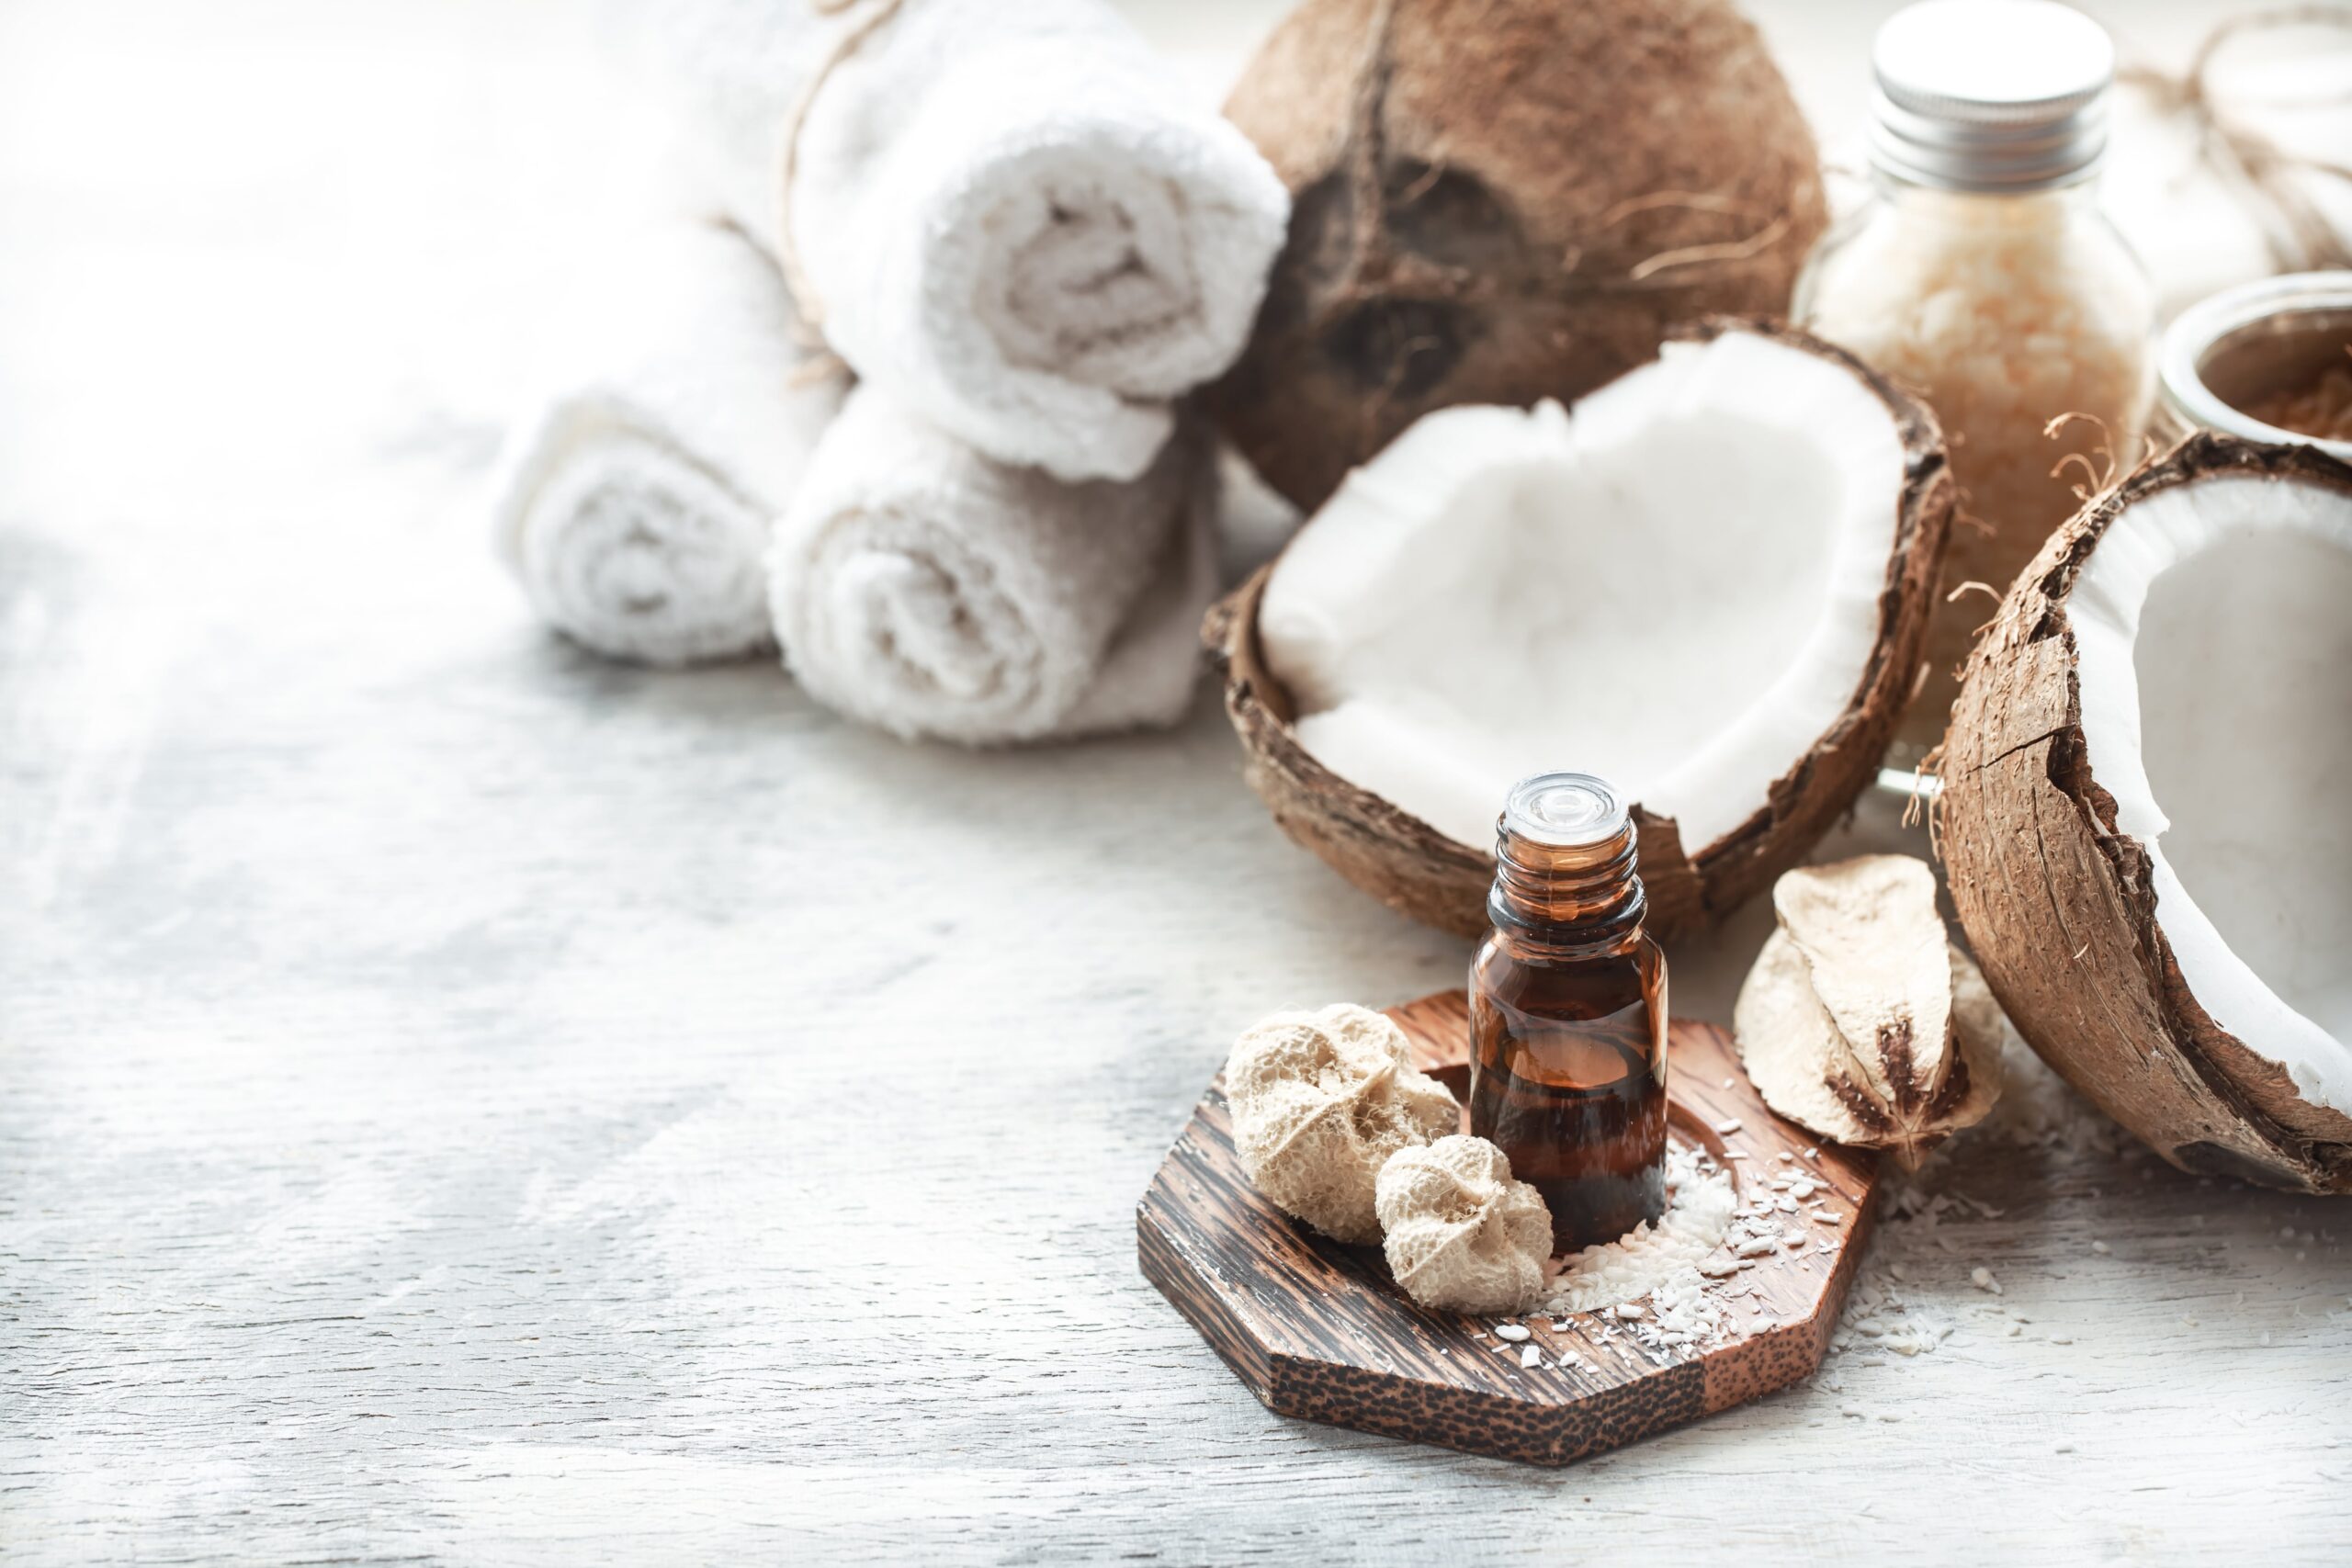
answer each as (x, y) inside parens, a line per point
(634, 500)
(1010, 217)
(927, 590)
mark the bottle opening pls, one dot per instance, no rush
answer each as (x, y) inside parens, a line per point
(1565, 811)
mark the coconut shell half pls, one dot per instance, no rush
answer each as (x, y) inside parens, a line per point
(1410, 865)
(2061, 897)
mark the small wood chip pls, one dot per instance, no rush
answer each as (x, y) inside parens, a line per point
(1982, 1278)
(1630, 1310)
(1731, 1124)
(1530, 1357)
(1511, 1331)
(1813, 1155)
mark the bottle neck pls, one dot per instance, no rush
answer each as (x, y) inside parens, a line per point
(2079, 191)
(1553, 901)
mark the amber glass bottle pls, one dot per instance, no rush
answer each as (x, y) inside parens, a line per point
(1567, 1013)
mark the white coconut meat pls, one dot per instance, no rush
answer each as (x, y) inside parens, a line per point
(2213, 635)
(1676, 586)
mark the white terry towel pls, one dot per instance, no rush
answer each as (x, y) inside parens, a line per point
(927, 590)
(1011, 216)
(634, 500)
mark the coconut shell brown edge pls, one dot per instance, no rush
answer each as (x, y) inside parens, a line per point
(2060, 908)
(1417, 871)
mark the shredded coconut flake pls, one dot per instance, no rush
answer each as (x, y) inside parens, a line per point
(1660, 1264)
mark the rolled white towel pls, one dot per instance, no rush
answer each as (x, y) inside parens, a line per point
(634, 498)
(1011, 217)
(929, 590)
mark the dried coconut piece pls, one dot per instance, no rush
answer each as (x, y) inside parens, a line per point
(1873, 947)
(1860, 1019)
(1320, 1101)
(1463, 1236)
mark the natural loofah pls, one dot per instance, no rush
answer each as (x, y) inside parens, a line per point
(1321, 1101)
(1462, 1235)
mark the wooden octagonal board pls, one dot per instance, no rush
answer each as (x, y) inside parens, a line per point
(1318, 1330)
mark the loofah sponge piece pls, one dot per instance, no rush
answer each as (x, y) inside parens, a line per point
(1462, 1235)
(1320, 1101)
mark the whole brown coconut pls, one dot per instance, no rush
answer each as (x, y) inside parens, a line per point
(2061, 901)
(1502, 200)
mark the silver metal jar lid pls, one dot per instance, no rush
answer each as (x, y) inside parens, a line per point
(1990, 95)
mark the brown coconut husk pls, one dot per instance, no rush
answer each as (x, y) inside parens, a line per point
(1417, 871)
(1497, 202)
(2060, 907)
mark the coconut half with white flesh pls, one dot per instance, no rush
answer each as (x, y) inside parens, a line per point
(2143, 815)
(1708, 581)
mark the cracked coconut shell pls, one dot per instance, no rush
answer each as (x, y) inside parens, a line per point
(1320, 1101)
(1496, 201)
(2142, 817)
(1460, 1235)
(1860, 1019)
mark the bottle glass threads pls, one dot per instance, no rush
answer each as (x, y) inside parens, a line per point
(1567, 1013)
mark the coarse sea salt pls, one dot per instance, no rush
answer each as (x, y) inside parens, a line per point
(2007, 313)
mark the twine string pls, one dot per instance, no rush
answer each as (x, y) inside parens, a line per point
(2266, 178)
(787, 249)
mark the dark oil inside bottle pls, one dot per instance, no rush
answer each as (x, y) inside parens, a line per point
(1568, 1078)
(1568, 1013)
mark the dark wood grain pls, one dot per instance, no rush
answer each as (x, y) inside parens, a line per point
(1318, 1330)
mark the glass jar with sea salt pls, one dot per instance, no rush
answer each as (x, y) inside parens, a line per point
(1982, 273)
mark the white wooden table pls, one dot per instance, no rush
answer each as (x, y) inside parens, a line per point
(463, 1101)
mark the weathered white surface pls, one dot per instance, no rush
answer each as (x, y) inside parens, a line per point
(461, 1100)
